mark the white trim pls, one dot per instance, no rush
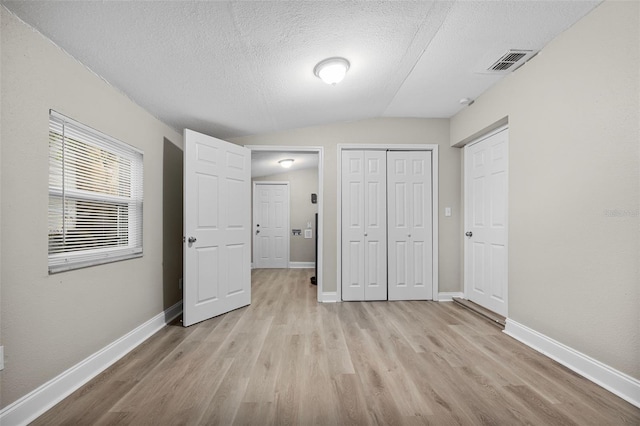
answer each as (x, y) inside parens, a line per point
(447, 296)
(616, 382)
(301, 265)
(487, 135)
(320, 151)
(435, 173)
(329, 297)
(287, 238)
(434, 183)
(37, 402)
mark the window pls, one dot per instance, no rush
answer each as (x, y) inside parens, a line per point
(95, 197)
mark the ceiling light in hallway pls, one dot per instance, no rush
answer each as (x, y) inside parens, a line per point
(332, 70)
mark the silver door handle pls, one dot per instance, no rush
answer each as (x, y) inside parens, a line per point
(469, 234)
(192, 240)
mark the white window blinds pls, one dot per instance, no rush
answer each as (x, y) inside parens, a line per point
(95, 196)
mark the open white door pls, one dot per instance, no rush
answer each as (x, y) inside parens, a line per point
(217, 227)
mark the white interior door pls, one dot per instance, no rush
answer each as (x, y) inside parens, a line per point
(486, 179)
(271, 224)
(364, 239)
(410, 232)
(217, 227)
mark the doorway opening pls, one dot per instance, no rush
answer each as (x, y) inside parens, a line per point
(305, 181)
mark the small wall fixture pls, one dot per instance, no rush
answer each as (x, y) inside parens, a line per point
(286, 163)
(332, 70)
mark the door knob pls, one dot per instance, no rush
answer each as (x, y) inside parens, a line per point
(469, 234)
(192, 240)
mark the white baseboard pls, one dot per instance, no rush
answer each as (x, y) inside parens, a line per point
(622, 385)
(37, 402)
(296, 265)
(447, 296)
(329, 297)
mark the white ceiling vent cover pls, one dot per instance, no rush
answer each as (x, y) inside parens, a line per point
(510, 61)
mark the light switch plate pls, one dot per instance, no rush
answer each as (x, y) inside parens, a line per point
(308, 233)
(447, 211)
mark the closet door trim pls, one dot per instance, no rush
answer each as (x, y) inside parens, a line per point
(434, 182)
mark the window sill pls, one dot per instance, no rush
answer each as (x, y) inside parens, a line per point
(70, 266)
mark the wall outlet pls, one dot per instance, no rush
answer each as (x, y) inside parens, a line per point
(180, 284)
(1, 358)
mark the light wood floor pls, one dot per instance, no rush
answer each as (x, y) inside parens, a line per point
(288, 360)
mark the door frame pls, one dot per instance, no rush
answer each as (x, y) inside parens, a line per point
(434, 188)
(465, 216)
(253, 217)
(321, 296)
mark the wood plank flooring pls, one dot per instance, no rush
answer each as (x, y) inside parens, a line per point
(288, 360)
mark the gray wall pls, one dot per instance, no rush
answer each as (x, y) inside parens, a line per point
(387, 131)
(172, 223)
(301, 184)
(574, 189)
(50, 323)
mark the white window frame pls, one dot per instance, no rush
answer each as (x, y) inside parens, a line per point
(65, 259)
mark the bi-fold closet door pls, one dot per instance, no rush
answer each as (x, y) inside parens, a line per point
(387, 240)
(364, 225)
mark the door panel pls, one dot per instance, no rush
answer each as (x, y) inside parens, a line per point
(353, 225)
(217, 219)
(486, 175)
(364, 272)
(410, 232)
(271, 224)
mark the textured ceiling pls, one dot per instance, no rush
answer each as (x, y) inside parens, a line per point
(238, 68)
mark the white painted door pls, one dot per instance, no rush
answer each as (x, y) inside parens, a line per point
(217, 227)
(271, 225)
(364, 239)
(410, 225)
(486, 179)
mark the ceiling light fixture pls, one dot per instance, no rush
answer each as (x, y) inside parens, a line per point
(466, 101)
(286, 163)
(332, 70)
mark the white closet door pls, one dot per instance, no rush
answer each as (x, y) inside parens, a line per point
(364, 273)
(375, 220)
(410, 235)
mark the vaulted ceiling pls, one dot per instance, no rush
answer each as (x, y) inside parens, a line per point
(237, 67)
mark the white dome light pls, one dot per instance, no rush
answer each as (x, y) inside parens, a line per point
(332, 70)
(286, 163)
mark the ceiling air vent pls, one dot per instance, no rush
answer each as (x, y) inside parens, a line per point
(511, 61)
